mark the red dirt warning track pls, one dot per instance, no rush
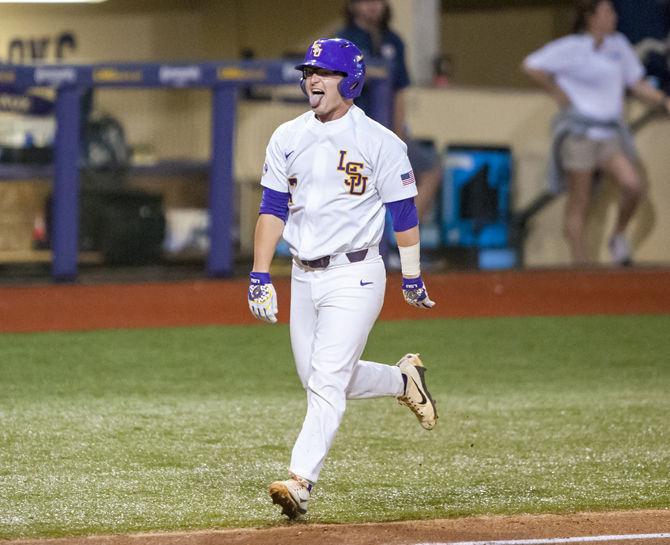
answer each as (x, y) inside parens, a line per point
(534, 528)
(211, 302)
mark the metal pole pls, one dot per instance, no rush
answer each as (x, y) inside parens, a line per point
(221, 206)
(65, 203)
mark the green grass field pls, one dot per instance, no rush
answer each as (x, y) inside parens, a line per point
(123, 431)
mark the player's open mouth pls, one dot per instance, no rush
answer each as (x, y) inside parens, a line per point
(316, 97)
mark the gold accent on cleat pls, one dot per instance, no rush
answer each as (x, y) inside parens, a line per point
(416, 396)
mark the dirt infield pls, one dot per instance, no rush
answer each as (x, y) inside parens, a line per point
(204, 302)
(210, 302)
(474, 529)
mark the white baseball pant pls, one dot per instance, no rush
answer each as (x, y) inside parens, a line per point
(332, 313)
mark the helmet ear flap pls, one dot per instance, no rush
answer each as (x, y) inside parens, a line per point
(303, 86)
(345, 87)
(350, 87)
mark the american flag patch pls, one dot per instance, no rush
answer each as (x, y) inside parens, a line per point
(407, 178)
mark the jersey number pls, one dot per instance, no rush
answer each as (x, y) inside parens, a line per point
(355, 180)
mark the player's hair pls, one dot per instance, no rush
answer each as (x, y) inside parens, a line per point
(385, 20)
(584, 9)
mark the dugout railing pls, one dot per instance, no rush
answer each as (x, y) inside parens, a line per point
(224, 79)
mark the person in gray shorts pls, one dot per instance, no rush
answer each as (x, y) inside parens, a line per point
(580, 153)
(588, 73)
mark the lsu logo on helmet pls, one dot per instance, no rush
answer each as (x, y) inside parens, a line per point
(316, 49)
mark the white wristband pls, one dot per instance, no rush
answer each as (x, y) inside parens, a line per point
(410, 261)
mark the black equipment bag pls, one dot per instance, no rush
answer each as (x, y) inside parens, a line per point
(126, 225)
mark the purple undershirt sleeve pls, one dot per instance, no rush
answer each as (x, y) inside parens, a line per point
(403, 214)
(275, 203)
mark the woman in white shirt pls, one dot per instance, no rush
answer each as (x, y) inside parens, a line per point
(588, 73)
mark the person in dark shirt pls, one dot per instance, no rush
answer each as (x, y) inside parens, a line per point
(367, 25)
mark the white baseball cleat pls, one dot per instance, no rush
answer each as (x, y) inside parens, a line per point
(416, 395)
(292, 495)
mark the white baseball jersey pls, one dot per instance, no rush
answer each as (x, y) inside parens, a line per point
(339, 174)
(595, 79)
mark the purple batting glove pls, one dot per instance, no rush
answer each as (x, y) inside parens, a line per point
(415, 293)
(262, 297)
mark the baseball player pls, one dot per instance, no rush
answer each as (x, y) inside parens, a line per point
(328, 177)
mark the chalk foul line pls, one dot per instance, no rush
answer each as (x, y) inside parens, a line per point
(555, 540)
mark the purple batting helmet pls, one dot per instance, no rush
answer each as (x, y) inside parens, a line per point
(338, 55)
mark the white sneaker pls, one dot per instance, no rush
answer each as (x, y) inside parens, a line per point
(620, 251)
(416, 395)
(292, 495)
